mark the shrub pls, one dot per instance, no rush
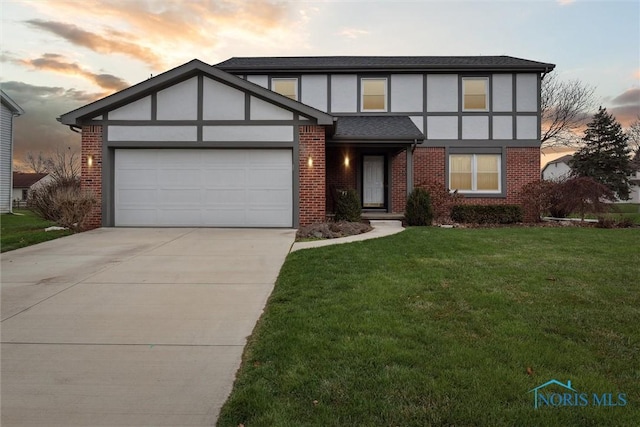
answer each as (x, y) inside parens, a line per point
(63, 202)
(491, 214)
(418, 209)
(348, 206)
(584, 195)
(608, 222)
(442, 200)
(538, 198)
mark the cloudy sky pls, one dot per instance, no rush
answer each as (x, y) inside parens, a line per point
(58, 55)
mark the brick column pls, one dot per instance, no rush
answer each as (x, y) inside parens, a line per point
(312, 177)
(399, 182)
(91, 176)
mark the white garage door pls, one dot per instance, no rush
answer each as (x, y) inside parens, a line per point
(215, 187)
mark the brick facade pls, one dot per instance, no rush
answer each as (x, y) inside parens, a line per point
(91, 176)
(312, 177)
(398, 182)
(523, 166)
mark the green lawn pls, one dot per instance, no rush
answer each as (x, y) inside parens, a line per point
(25, 229)
(617, 211)
(439, 327)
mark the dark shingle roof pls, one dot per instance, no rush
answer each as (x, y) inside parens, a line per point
(26, 180)
(379, 63)
(379, 128)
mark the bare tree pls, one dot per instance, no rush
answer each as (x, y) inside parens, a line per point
(633, 133)
(565, 108)
(38, 162)
(65, 165)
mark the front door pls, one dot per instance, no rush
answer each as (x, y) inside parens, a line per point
(373, 181)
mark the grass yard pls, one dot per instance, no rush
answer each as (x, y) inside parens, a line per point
(626, 210)
(26, 229)
(441, 326)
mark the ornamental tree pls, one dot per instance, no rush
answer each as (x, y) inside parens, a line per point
(605, 154)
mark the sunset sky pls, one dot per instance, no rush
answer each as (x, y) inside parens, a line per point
(61, 54)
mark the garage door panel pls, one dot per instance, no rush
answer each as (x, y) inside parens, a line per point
(136, 197)
(220, 198)
(224, 177)
(179, 178)
(144, 178)
(179, 217)
(203, 187)
(138, 216)
(170, 197)
(267, 198)
(272, 177)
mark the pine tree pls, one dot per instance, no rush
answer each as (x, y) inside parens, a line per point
(605, 154)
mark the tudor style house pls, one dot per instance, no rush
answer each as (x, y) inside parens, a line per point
(266, 142)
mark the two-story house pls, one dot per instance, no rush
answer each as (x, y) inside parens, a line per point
(265, 142)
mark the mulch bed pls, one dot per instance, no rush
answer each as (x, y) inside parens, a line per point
(332, 230)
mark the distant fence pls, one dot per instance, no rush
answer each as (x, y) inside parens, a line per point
(19, 204)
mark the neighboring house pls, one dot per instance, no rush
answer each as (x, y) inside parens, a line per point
(265, 142)
(634, 194)
(8, 111)
(557, 169)
(23, 182)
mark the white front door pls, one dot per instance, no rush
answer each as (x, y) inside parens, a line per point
(373, 182)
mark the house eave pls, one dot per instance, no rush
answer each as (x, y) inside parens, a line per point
(84, 114)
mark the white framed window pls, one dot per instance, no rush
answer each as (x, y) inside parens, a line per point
(287, 87)
(475, 173)
(373, 94)
(475, 94)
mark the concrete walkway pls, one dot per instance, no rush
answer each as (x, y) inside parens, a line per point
(136, 327)
(380, 229)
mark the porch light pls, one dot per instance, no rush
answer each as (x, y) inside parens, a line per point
(89, 160)
(310, 162)
(346, 161)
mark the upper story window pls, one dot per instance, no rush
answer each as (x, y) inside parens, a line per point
(287, 87)
(475, 94)
(374, 94)
(474, 173)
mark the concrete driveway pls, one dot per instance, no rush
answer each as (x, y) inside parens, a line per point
(136, 327)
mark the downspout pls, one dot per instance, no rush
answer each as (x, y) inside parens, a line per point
(13, 127)
(545, 72)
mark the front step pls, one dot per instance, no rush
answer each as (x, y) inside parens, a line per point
(382, 216)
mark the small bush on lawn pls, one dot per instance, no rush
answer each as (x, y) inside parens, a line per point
(348, 206)
(608, 222)
(538, 199)
(442, 200)
(63, 202)
(492, 214)
(418, 210)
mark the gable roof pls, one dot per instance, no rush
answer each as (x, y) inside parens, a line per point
(381, 63)
(11, 104)
(190, 69)
(379, 128)
(563, 159)
(26, 180)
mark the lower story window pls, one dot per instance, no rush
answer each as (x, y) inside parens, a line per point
(474, 173)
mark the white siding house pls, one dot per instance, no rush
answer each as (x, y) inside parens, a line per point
(8, 111)
(557, 169)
